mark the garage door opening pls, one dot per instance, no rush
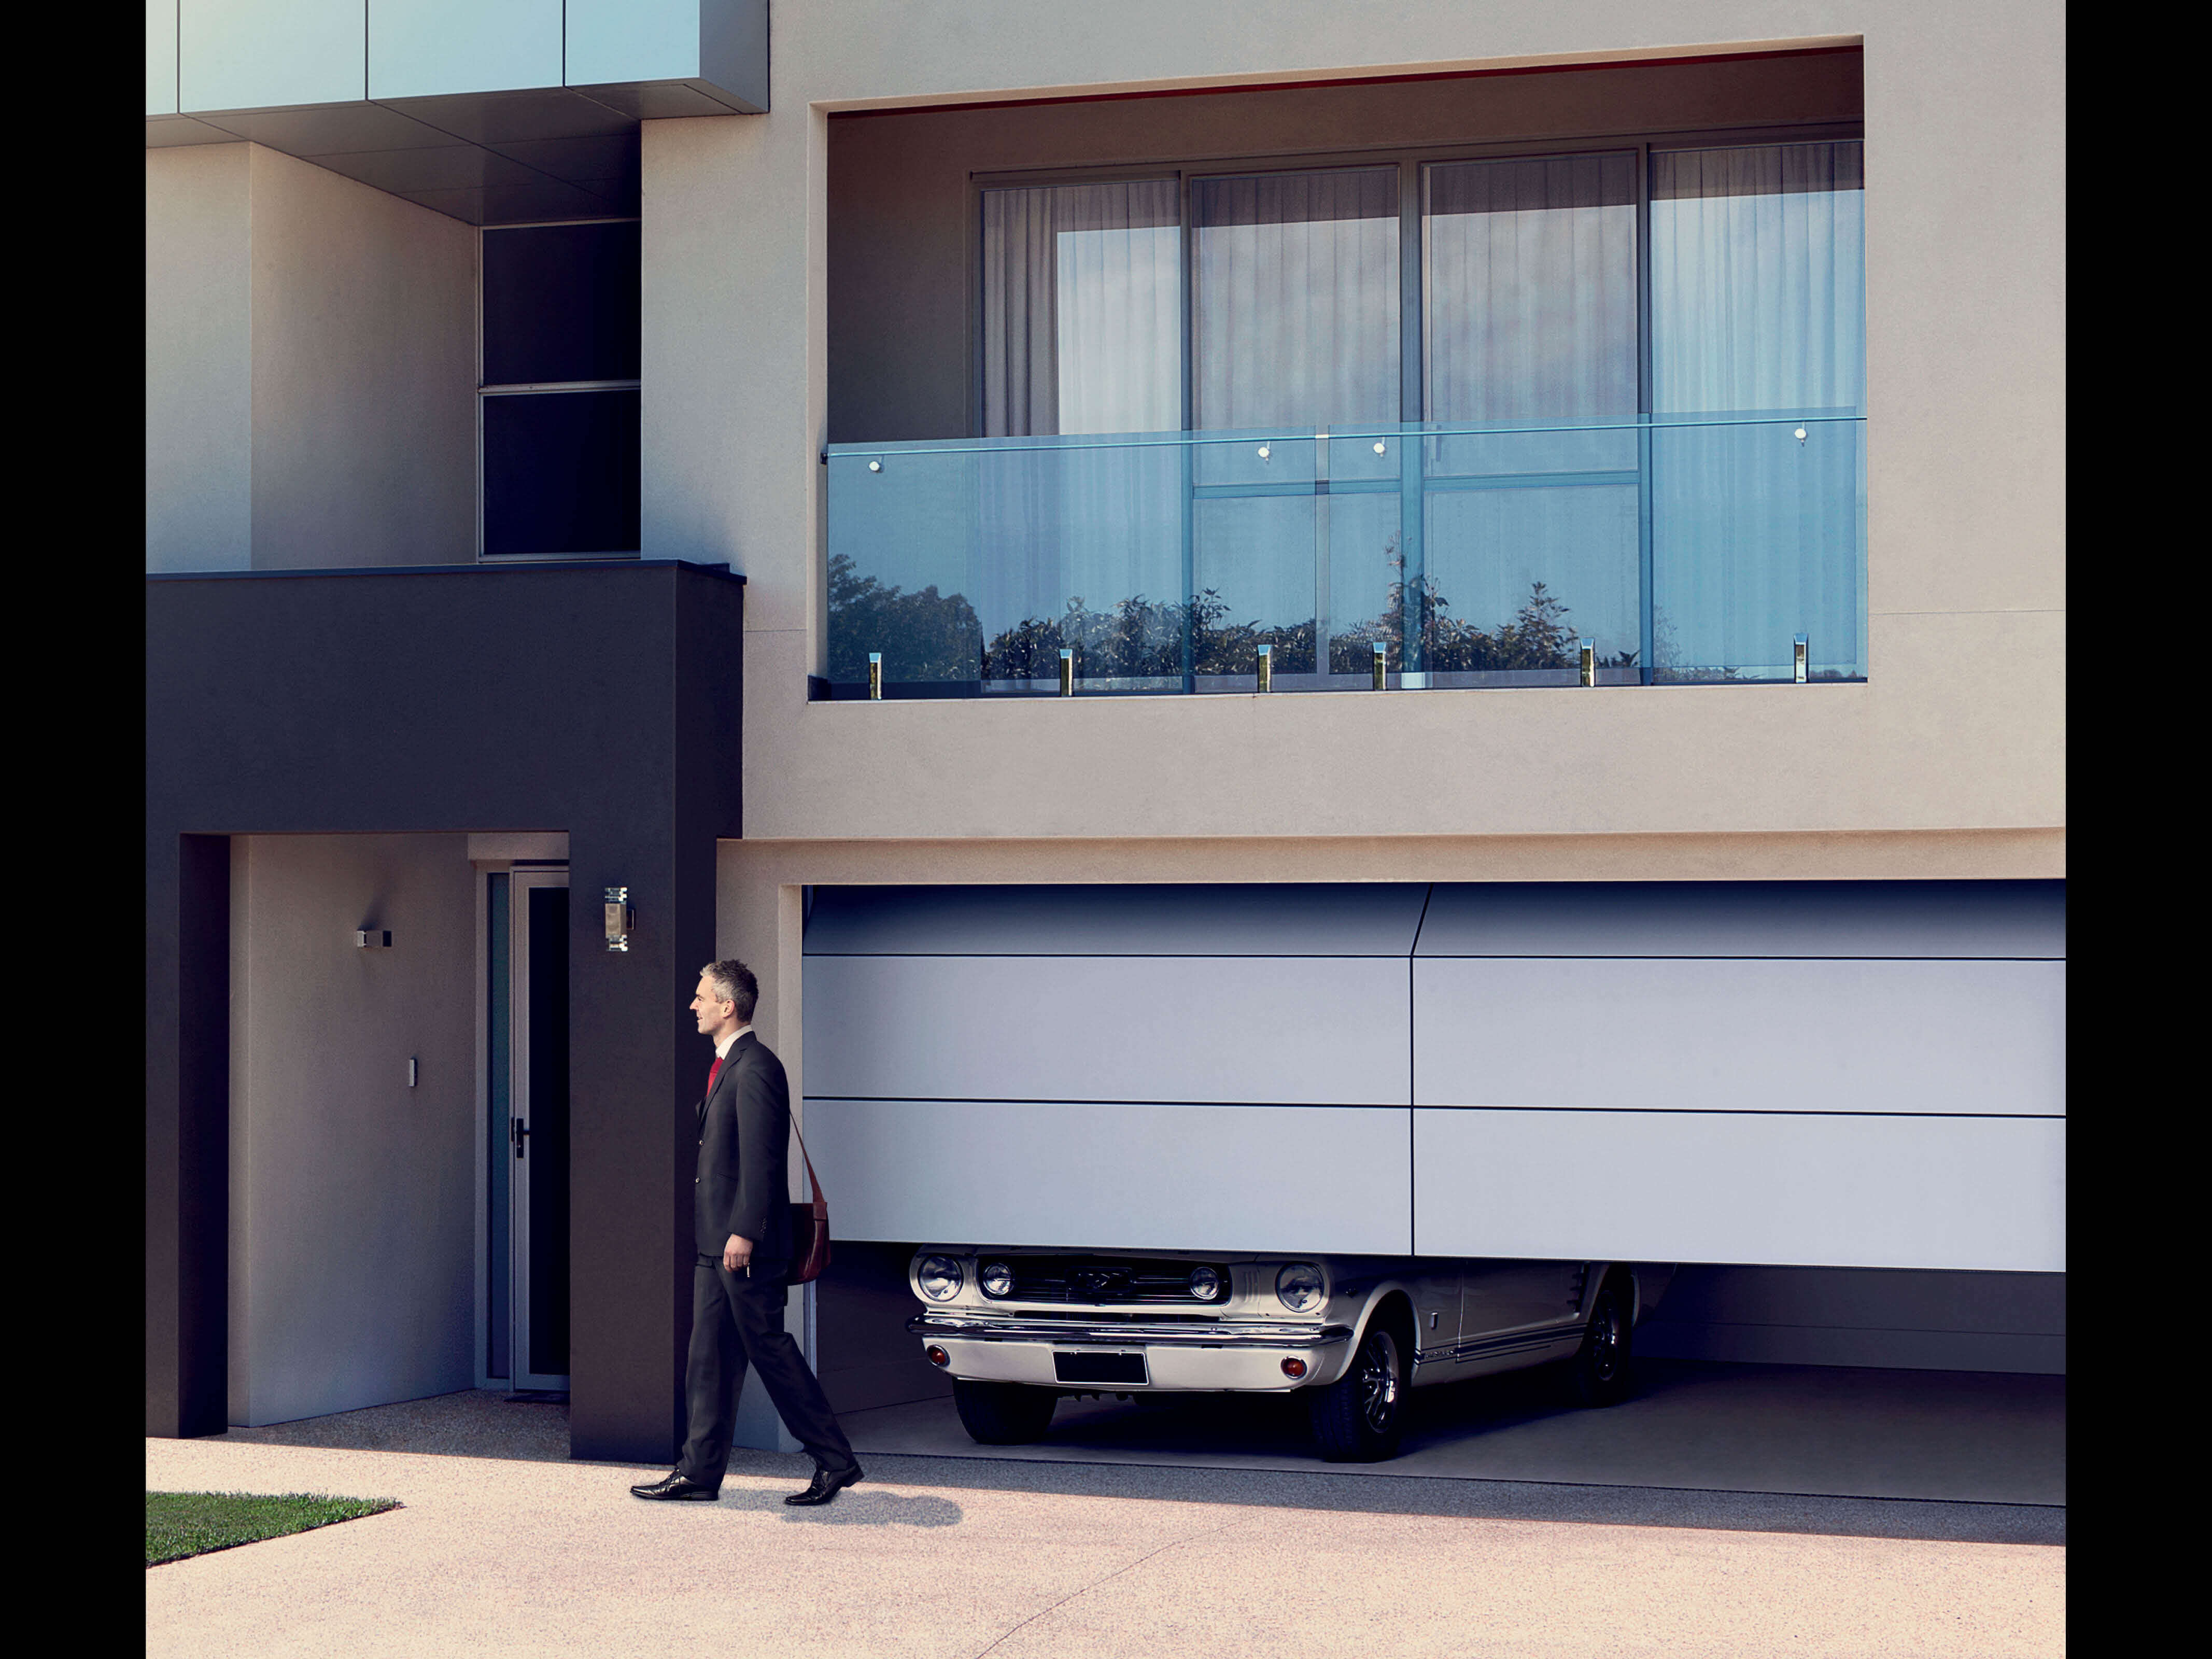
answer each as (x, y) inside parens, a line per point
(1886, 1425)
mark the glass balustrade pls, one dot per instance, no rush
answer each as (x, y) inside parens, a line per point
(1685, 549)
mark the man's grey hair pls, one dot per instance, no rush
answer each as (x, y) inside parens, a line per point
(734, 982)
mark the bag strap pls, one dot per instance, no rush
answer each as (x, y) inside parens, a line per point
(820, 1201)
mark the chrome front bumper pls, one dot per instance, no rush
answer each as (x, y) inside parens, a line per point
(1243, 1355)
(1148, 1333)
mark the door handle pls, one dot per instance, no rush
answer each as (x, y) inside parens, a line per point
(517, 1133)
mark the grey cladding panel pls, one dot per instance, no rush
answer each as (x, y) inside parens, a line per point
(1326, 1032)
(1192, 920)
(1982, 1194)
(1134, 1177)
(1845, 1036)
(1972, 919)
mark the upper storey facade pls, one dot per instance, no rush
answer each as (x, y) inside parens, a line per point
(1443, 342)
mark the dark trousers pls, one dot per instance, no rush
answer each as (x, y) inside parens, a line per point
(738, 1321)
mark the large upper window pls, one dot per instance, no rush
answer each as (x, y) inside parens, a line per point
(1486, 419)
(558, 404)
(1532, 285)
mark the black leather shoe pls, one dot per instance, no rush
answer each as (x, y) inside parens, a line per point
(678, 1485)
(827, 1484)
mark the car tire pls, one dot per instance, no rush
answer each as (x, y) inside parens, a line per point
(1361, 1417)
(1003, 1413)
(1601, 1373)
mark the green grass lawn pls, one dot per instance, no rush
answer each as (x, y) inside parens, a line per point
(182, 1523)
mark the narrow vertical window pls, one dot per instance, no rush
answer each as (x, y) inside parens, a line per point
(559, 403)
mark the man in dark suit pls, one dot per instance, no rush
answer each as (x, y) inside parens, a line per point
(741, 1219)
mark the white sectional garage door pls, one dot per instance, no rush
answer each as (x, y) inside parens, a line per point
(1865, 1074)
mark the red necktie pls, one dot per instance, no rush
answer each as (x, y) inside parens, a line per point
(713, 1072)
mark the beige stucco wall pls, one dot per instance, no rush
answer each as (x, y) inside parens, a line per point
(1960, 728)
(352, 1196)
(364, 373)
(311, 368)
(199, 375)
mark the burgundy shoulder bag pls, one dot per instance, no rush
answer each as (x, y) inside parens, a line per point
(810, 1225)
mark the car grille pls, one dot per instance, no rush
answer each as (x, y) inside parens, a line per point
(1102, 1281)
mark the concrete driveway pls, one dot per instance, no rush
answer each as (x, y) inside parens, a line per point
(930, 1558)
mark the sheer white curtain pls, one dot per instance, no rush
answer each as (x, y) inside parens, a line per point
(1759, 306)
(1529, 290)
(1082, 334)
(1758, 279)
(1083, 309)
(1530, 286)
(1296, 300)
(1295, 326)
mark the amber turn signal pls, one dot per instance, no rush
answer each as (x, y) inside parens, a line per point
(1293, 1367)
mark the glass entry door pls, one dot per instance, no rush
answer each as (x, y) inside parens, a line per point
(527, 1237)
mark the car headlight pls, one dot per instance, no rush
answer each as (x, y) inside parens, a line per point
(940, 1278)
(1298, 1287)
(1204, 1284)
(997, 1279)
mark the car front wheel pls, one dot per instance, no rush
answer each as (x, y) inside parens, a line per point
(1003, 1413)
(1599, 1374)
(1361, 1417)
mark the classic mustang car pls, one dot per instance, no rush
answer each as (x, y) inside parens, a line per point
(1017, 1328)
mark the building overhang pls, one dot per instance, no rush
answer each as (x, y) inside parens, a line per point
(491, 111)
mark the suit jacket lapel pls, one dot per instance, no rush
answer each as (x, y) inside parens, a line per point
(722, 1076)
(706, 1100)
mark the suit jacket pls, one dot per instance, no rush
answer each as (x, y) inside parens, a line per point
(745, 1128)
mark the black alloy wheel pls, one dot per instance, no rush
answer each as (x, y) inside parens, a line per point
(1003, 1413)
(1601, 1374)
(1361, 1417)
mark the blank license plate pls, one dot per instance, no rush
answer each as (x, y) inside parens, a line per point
(1099, 1367)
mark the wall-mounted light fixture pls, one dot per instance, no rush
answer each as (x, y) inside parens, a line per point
(372, 938)
(1266, 668)
(1382, 663)
(1590, 662)
(1797, 655)
(621, 920)
(875, 677)
(1066, 671)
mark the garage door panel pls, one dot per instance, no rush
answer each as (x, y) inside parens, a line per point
(1965, 920)
(1165, 1177)
(1183, 919)
(1972, 1193)
(1853, 1036)
(1272, 1029)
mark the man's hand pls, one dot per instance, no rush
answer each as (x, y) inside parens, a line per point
(737, 1254)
